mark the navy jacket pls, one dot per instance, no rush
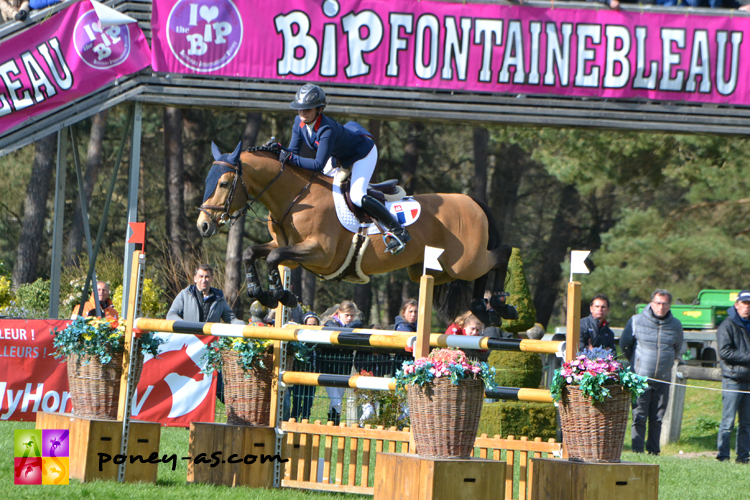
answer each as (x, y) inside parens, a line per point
(403, 326)
(733, 338)
(599, 337)
(347, 143)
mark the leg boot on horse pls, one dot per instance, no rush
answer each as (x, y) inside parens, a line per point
(396, 236)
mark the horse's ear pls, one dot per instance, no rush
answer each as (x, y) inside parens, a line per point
(235, 154)
(215, 151)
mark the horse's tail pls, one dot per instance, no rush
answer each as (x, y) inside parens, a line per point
(451, 299)
(493, 240)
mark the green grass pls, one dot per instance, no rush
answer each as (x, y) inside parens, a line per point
(698, 477)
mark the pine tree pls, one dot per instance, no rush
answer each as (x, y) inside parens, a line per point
(520, 295)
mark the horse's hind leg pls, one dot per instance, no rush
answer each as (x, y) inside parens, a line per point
(254, 288)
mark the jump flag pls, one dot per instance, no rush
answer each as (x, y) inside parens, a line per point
(431, 261)
(109, 16)
(577, 264)
(139, 234)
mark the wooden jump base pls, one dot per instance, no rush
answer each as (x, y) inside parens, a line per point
(353, 337)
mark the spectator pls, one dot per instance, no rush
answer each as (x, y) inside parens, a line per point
(469, 325)
(651, 341)
(203, 303)
(105, 304)
(406, 321)
(303, 395)
(311, 319)
(595, 331)
(335, 360)
(716, 4)
(733, 338)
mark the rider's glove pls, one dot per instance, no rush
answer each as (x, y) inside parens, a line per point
(284, 155)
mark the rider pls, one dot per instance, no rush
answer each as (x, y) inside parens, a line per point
(351, 145)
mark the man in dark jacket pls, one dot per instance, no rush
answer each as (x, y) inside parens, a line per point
(203, 303)
(733, 338)
(595, 331)
(651, 341)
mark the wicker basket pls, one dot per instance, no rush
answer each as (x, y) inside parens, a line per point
(594, 432)
(94, 387)
(445, 417)
(247, 397)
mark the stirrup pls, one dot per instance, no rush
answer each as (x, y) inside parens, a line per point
(393, 243)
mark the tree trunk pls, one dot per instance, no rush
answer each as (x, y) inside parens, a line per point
(234, 272)
(174, 169)
(481, 148)
(363, 299)
(547, 287)
(411, 157)
(34, 211)
(395, 293)
(195, 153)
(94, 161)
(505, 184)
(308, 288)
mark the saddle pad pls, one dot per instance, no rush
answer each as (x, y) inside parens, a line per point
(406, 211)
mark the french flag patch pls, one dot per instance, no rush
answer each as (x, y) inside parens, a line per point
(400, 214)
(405, 211)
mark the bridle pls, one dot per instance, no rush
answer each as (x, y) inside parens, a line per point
(226, 218)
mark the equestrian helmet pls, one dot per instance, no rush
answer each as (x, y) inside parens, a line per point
(309, 96)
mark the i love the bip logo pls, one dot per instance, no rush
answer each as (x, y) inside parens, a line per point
(204, 35)
(101, 48)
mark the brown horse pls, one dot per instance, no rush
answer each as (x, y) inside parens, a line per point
(305, 230)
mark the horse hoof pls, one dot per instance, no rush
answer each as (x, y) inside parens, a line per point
(497, 300)
(266, 300)
(289, 300)
(277, 293)
(507, 312)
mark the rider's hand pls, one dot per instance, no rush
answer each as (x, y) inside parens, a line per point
(284, 155)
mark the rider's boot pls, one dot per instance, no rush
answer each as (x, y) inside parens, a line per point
(395, 237)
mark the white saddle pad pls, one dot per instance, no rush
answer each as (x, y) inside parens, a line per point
(406, 210)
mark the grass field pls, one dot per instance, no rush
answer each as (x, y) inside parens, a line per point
(694, 474)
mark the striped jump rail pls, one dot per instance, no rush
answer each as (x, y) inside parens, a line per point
(389, 384)
(353, 337)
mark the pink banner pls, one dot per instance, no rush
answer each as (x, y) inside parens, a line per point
(457, 46)
(63, 59)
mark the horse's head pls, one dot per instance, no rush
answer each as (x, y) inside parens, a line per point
(222, 201)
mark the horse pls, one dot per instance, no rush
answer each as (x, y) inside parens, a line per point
(305, 231)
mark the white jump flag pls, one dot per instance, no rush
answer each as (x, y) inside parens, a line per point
(109, 16)
(431, 261)
(577, 264)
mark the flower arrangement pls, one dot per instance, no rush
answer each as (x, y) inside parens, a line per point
(250, 352)
(591, 370)
(100, 337)
(450, 363)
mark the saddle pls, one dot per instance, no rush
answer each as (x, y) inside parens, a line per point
(379, 191)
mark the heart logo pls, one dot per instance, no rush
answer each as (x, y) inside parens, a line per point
(209, 13)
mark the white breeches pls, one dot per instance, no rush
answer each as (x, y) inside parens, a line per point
(361, 175)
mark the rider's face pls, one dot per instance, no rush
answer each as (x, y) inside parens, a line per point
(307, 116)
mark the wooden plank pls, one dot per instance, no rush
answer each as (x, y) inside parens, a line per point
(303, 458)
(340, 442)
(509, 463)
(314, 457)
(357, 432)
(353, 444)
(327, 458)
(523, 472)
(294, 456)
(365, 475)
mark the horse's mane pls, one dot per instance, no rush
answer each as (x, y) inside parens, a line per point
(273, 150)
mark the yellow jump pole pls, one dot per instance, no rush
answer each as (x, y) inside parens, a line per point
(424, 317)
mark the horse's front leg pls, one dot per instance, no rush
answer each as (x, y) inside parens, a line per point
(303, 253)
(254, 288)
